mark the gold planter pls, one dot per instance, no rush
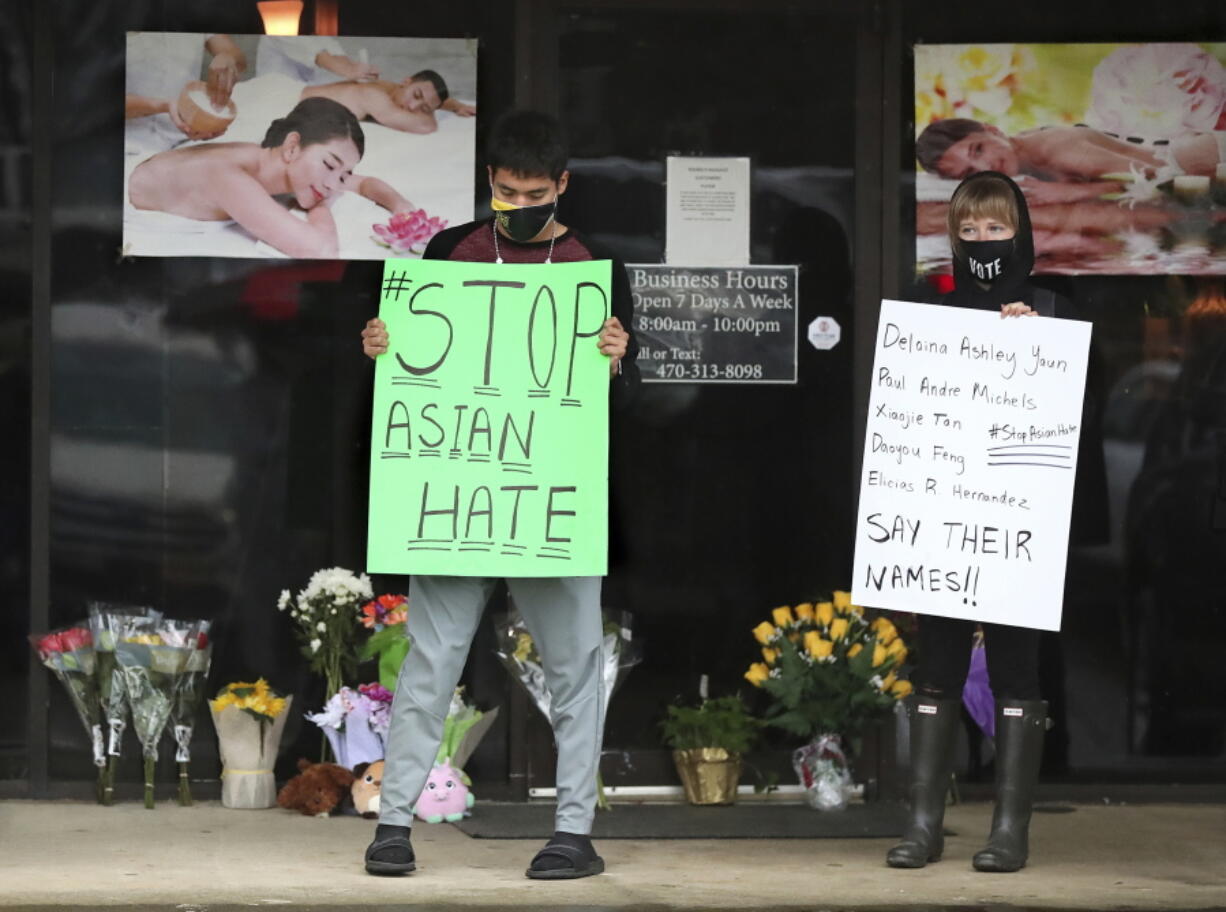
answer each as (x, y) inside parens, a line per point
(709, 774)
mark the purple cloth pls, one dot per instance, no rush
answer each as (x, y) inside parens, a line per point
(977, 693)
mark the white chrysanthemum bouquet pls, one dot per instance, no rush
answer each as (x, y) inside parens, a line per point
(327, 619)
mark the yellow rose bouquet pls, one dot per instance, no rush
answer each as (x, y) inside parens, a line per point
(828, 667)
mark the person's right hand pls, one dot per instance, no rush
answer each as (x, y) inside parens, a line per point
(1012, 309)
(172, 109)
(361, 72)
(223, 74)
(374, 338)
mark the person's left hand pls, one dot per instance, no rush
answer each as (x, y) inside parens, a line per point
(612, 342)
(1016, 309)
(464, 110)
(223, 74)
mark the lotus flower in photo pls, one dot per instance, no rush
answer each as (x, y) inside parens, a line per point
(408, 232)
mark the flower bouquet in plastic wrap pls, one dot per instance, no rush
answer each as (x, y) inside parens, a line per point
(185, 705)
(69, 653)
(618, 651)
(151, 655)
(249, 719)
(385, 618)
(463, 730)
(355, 722)
(111, 696)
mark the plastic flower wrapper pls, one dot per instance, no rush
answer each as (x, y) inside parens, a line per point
(408, 232)
(69, 653)
(186, 703)
(619, 653)
(463, 730)
(822, 768)
(151, 656)
(346, 721)
(249, 719)
(325, 616)
(829, 670)
(389, 642)
(111, 696)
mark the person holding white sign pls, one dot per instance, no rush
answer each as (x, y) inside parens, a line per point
(526, 159)
(989, 230)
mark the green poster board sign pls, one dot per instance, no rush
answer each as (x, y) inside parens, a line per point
(490, 435)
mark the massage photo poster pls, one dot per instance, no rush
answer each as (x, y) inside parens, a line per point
(970, 456)
(1120, 150)
(407, 174)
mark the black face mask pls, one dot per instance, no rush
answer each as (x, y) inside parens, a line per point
(525, 223)
(987, 260)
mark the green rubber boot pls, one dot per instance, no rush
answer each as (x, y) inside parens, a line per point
(934, 726)
(1020, 725)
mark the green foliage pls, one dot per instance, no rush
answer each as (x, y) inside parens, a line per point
(390, 646)
(722, 722)
(810, 697)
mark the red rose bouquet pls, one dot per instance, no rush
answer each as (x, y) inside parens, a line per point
(69, 653)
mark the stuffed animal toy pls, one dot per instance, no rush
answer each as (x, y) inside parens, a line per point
(445, 797)
(367, 781)
(317, 790)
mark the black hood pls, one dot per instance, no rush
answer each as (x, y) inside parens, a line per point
(1013, 284)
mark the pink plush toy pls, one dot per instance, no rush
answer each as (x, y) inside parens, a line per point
(445, 797)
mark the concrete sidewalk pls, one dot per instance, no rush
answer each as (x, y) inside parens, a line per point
(69, 854)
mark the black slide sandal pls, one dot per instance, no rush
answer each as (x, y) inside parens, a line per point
(375, 866)
(582, 864)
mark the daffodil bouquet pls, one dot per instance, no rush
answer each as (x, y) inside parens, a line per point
(827, 667)
(249, 718)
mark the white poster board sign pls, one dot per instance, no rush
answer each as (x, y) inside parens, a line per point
(707, 211)
(969, 459)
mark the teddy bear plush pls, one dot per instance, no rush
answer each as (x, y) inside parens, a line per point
(317, 790)
(367, 781)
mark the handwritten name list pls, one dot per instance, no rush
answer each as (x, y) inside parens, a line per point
(969, 459)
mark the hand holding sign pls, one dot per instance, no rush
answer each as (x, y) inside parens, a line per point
(489, 448)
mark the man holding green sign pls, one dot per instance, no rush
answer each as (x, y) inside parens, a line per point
(489, 459)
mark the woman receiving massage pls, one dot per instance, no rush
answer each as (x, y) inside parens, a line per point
(306, 159)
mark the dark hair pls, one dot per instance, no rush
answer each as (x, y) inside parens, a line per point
(316, 120)
(434, 79)
(528, 143)
(938, 136)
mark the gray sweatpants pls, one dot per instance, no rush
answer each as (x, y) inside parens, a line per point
(563, 616)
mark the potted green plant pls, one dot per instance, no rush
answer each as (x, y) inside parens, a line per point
(707, 742)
